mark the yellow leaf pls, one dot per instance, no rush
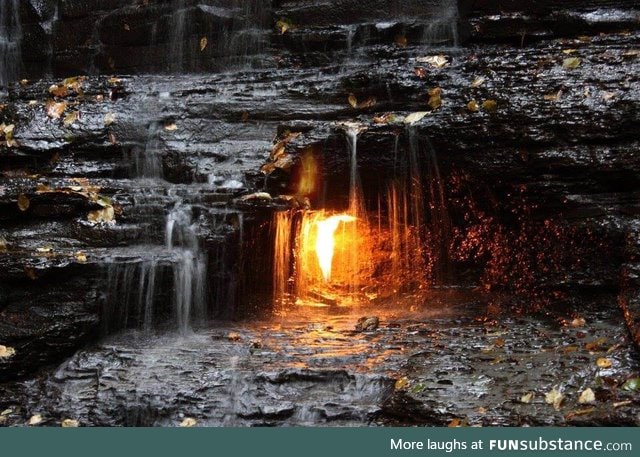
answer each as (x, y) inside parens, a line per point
(569, 51)
(70, 423)
(571, 63)
(473, 106)
(283, 25)
(555, 398)
(353, 101)
(604, 363)
(35, 419)
(203, 43)
(55, 109)
(578, 322)
(81, 257)
(3, 245)
(402, 383)
(188, 422)
(58, 91)
(587, 396)
(6, 352)
(490, 105)
(109, 119)
(23, 202)
(171, 127)
(70, 118)
(526, 398)
(553, 96)
(415, 117)
(102, 215)
(438, 61)
(234, 336)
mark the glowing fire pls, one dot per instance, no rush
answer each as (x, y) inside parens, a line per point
(326, 243)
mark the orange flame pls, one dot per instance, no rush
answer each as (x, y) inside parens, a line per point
(325, 241)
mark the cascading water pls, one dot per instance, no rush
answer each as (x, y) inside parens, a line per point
(178, 36)
(10, 41)
(399, 251)
(190, 270)
(443, 28)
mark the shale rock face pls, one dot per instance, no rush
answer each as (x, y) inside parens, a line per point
(540, 187)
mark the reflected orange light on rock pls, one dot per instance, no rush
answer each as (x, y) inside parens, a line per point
(325, 241)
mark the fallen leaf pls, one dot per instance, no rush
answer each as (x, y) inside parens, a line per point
(23, 202)
(571, 63)
(81, 257)
(622, 403)
(44, 249)
(188, 422)
(402, 383)
(70, 423)
(604, 363)
(435, 100)
(570, 349)
(283, 25)
(35, 419)
(526, 398)
(569, 51)
(580, 412)
(203, 43)
(234, 336)
(499, 343)
(70, 118)
(490, 105)
(458, 423)
(171, 127)
(55, 109)
(555, 398)
(478, 81)
(595, 345)
(126, 27)
(102, 215)
(6, 352)
(58, 91)
(552, 97)
(353, 101)
(385, 118)
(420, 72)
(473, 106)
(109, 119)
(438, 61)
(415, 117)
(3, 245)
(587, 396)
(632, 384)
(607, 96)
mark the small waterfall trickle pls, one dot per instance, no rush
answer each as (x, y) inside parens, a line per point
(10, 41)
(190, 269)
(443, 28)
(178, 27)
(148, 160)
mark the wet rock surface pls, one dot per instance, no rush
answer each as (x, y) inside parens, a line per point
(540, 190)
(447, 360)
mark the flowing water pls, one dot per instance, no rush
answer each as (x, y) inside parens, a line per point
(10, 41)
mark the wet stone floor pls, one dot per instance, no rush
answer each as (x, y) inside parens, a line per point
(454, 360)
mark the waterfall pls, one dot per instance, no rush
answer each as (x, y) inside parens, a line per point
(178, 36)
(190, 270)
(10, 41)
(443, 27)
(148, 160)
